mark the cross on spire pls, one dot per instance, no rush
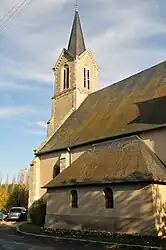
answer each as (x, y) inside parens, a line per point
(76, 5)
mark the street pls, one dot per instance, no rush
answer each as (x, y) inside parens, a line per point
(11, 240)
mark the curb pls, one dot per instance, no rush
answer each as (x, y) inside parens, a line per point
(83, 240)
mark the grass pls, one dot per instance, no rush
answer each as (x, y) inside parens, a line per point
(116, 238)
(30, 228)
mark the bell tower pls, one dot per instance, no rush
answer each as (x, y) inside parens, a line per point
(76, 76)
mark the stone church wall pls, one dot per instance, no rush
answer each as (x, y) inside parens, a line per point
(159, 205)
(156, 141)
(34, 181)
(85, 60)
(47, 163)
(63, 107)
(132, 212)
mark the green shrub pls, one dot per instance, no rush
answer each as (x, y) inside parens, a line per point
(37, 212)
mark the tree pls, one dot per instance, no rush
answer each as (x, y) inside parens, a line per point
(3, 197)
(18, 197)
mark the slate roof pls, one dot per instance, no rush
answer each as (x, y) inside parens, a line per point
(129, 106)
(124, 160)
(76, 42)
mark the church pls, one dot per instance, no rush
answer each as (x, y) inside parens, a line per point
(103, 163)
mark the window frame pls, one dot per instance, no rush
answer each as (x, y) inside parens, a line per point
(66, 75)
(74, 198)
(86, 78)
(109, 198)
(55, 172)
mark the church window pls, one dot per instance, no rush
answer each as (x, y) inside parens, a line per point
(56, 171)
(62, 163)
(74, 199)
(86, 78)
(66, 76)
(109, 200)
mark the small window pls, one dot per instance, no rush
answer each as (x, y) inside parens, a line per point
(66, 76)
(56, 171)
(74, 199)
(109, 200)
(86, 78)
(62, 163)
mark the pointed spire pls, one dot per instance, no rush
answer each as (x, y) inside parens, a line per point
(76, 43)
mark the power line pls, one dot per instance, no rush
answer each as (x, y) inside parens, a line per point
(13, 7)
(13, 15)
(17, 11)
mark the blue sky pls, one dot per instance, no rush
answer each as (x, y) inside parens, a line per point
(124, 36)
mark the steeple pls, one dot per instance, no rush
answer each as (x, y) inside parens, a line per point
(76, 77)
(76, 43)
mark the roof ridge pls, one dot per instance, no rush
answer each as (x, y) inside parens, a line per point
(127, 78)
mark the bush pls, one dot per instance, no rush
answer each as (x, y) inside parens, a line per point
(37, 212)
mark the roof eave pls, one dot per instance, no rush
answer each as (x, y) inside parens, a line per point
(114, 182)
(101, 140)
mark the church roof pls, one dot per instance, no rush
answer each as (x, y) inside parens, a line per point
(127, 107)
(76, 42)
(121, 160)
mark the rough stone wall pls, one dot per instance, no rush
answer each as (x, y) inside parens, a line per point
(159, 207)
(47, 163)
(65, 101)
(132, 212)
(86, 60)
(34, 181)
(64, 104)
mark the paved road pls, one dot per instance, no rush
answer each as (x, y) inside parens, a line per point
(10, 240)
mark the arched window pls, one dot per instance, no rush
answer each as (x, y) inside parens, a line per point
(109, 199)
(56, 171)
(74, 199)
(66, 76)
(86, 78)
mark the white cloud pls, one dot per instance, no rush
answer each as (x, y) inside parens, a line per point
(36, 127)
(14, 86)
(7, 112)
(41, 124)
(33, 75)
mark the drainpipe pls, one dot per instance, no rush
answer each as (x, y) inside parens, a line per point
(68, 149)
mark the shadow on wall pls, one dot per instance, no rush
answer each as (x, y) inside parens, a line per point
(149, 111)
(132, 212)
(160, 211)
(37, 211)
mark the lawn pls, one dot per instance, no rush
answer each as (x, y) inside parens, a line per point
(30, 228)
